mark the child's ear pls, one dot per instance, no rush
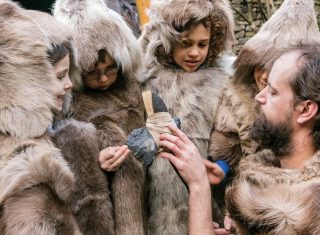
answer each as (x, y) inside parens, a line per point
(307, 109)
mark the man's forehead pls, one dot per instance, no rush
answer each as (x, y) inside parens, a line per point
(286, 66)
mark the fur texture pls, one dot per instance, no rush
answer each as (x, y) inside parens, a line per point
(192, 97)
(270, 200)
(18, 114)
(110, 32)
(116, 111)
(56, 33)
(35, 181)
(91, 202)
(292, 24)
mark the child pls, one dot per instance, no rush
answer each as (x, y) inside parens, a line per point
(107, 94)
(35, 181)
(183, 46)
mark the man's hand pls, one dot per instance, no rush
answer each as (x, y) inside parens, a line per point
(185, 157)
(111, 158)
(214, 171)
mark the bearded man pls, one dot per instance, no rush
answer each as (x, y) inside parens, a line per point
(277, 190)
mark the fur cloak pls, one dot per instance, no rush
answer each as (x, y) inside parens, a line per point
(266, 199)
(114, 112)
(192, 97)
(35, 181)
(292, 24)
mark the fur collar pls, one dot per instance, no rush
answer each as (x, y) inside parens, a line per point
(267, 198)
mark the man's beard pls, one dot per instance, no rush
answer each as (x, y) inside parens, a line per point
(273, 136)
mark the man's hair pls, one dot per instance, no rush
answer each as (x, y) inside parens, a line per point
(306, 85)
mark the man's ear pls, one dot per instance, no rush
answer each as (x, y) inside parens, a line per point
(307, 109)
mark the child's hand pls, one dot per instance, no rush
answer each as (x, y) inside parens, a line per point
(214, 172)
(111, 158)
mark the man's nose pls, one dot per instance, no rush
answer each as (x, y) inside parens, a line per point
(261, 96)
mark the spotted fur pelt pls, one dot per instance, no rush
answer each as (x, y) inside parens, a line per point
(236, 113)
(266, 199)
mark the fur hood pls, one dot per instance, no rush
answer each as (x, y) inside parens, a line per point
(161, 34)
(294, 23)
(23, 64)
(267, 198)
(56, 33)
(97, 27)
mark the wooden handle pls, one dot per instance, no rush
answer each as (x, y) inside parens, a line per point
(147, 100)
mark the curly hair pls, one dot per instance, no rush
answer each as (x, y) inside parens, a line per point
(218, 28)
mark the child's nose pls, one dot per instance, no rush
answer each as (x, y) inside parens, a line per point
(194, 52)
(103, 78)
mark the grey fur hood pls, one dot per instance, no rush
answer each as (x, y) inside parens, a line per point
(23, 63)
(294, 23)
(56, 33)
(97, 27)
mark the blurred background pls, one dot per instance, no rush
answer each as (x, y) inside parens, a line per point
(249, 14)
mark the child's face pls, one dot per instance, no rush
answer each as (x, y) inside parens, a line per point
(193, 49)
(261, 78)
(62, 84)
(104, 75)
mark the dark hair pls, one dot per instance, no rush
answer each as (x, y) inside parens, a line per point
(58, 52)
(306, 84)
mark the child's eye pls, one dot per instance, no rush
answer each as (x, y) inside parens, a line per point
(202, 45)
(185, 43)
(61, 76)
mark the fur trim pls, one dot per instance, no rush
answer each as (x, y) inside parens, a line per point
(97, 27)
(294, 23)
(161, 34)
(23, 64)
(268, 198)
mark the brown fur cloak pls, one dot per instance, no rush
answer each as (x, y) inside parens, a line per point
(114, 112)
